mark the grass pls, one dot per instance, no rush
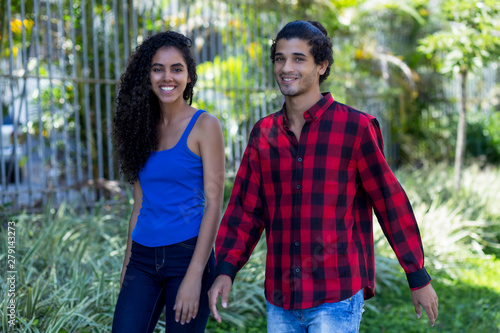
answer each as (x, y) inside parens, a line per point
(67, 276)
(69, 262)
(469, 303)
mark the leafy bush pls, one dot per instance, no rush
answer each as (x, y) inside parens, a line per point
(429, 137)
(69, 262)
(68, 265)
(483, 132)
(470, 303)
(455, 224)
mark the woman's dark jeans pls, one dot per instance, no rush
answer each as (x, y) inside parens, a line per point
(153, 277)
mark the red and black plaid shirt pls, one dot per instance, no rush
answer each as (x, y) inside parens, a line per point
(314, 198)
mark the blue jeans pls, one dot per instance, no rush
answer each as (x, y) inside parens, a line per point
(151, 281)
(340, 317)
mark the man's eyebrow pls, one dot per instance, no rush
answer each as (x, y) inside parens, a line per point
(294, 53)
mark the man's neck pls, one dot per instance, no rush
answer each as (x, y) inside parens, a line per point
(297, 105)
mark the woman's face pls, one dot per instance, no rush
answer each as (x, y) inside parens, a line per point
(169, 75)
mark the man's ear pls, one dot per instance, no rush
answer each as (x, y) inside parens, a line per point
(322, 67)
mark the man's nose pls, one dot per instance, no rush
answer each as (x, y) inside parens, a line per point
(287, 66)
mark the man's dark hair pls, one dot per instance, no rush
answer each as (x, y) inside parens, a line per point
(315, 34)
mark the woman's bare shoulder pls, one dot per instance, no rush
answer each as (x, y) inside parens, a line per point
(208, 123)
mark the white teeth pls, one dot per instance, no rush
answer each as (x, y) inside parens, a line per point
(288, 80)
(167, 88)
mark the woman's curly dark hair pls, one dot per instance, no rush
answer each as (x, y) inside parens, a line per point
(315, 34)
(137, 108)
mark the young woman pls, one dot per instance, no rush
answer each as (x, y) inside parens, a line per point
(173, 154)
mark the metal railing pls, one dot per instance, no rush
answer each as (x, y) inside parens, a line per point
(62, 60)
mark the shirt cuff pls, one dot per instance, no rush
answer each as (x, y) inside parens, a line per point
(418, 279)
(225, 268)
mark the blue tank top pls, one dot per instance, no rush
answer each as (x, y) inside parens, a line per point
(173, 195)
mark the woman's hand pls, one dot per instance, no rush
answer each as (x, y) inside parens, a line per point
(188, 299)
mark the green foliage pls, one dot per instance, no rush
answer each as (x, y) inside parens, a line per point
(483, 133)
(405, 7)
(69, 263)
(459, 231)
(468, 219)
(493, 128)
(18, 26)
(71, 260)
(471, 40)
(430, 137)
(247, 300)
(374, 51)
(255, 325)
(467, 303)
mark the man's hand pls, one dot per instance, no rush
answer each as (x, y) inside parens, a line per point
(221, 286)
(426, 297)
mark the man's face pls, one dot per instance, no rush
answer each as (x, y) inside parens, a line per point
(294, 68)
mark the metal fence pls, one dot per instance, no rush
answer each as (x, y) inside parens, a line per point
(61, 61)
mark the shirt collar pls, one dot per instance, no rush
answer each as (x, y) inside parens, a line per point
(315, 112)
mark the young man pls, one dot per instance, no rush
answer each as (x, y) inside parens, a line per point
(310, 176)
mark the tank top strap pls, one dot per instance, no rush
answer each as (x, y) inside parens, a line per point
(194, 118)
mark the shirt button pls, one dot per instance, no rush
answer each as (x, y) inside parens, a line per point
(298, 187)
(296, 243)
(297, 270)
(299, 159)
